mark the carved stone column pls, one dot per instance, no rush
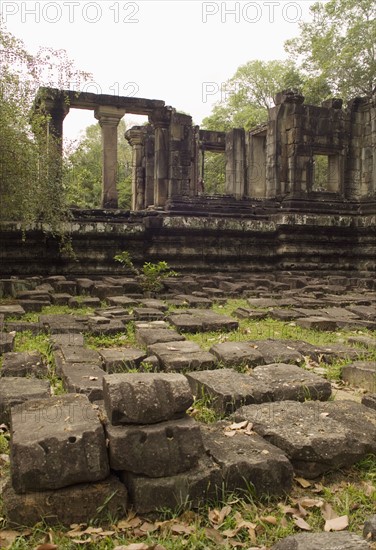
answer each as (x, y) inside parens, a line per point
(136, 136)
(161, 122)
(235, 162)
(109, 118)
(50, 110)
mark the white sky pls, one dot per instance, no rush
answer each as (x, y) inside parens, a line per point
(180, 51)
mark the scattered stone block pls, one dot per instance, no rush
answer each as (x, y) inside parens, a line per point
(369, 401)
(148, 314)
(322, 541)
(83, 378)
(121, 359)
(289, 382)
(14, 310)
(6, 341)
(369, 530)
(247, 460)
(22, 326)
(15, 390)
(63, 324)
(62, 340)
(156, 450)
(122, 301)
(70, 287)
(317, 323)
(150, 336)
(364, 341)
(84, 301)
(332, 352)
(313, 441)
(251, 314)
(277, 351)
(194, 301)
(33, 306)
(68, 505)
(361, 374)
(154, 304)
(102, 290)
(364, 312)
(194, 487)
(24, 364)
(238, 354)
(263, 303)
(55, 443)
(113, 326)
(228, 389)
(202, 321)
(60, 299)
(186, 355)
(145, 398)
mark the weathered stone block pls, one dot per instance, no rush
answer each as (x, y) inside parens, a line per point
(145, 398)
(322, 541)
(150, 336)
(14, 310)
(6, 342)
(317, 323)
(68, 505)
(14, 391)
(195, 487)
(157, 450)
(238, 354)
(55, 443)
(122, 301)
(277, 351)
(148, 314)
(84, 378)
(247, 460)
(227, 389)
(361, 374)
(186, 355)
(369, 531)
(291, 382)
(121, 359)
(193, 320)
(312, 439)
(369, 401)
(84, 301)
(24, 364)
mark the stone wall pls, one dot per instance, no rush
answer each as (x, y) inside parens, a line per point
(285, 239)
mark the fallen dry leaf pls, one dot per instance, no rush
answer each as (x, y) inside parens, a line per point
(181, 529)
(214, 535)
(134, 546)
(269, 519)
(238, 425)
(47, 546)
(299, 522)
(217, 517)
(8, 537)
(303, 482)
(148, 527)
(336, 524)
(327, 512)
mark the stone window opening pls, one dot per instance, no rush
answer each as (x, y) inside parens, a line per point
(213, 172)
(325, 173)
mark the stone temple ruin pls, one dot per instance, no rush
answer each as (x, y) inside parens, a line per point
(277, 212)
(298, 248)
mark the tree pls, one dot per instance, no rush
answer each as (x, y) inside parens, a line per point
(83, 170)
(339, 47)
(28, 192)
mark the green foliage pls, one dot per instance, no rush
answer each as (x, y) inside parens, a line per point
(83, 170)
(337, 47)
(30, 186)
(151, 275)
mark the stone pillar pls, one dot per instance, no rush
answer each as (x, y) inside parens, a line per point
(50, 110)
(109, 118)
(161, 122)
(235, 162)
(135, 136)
